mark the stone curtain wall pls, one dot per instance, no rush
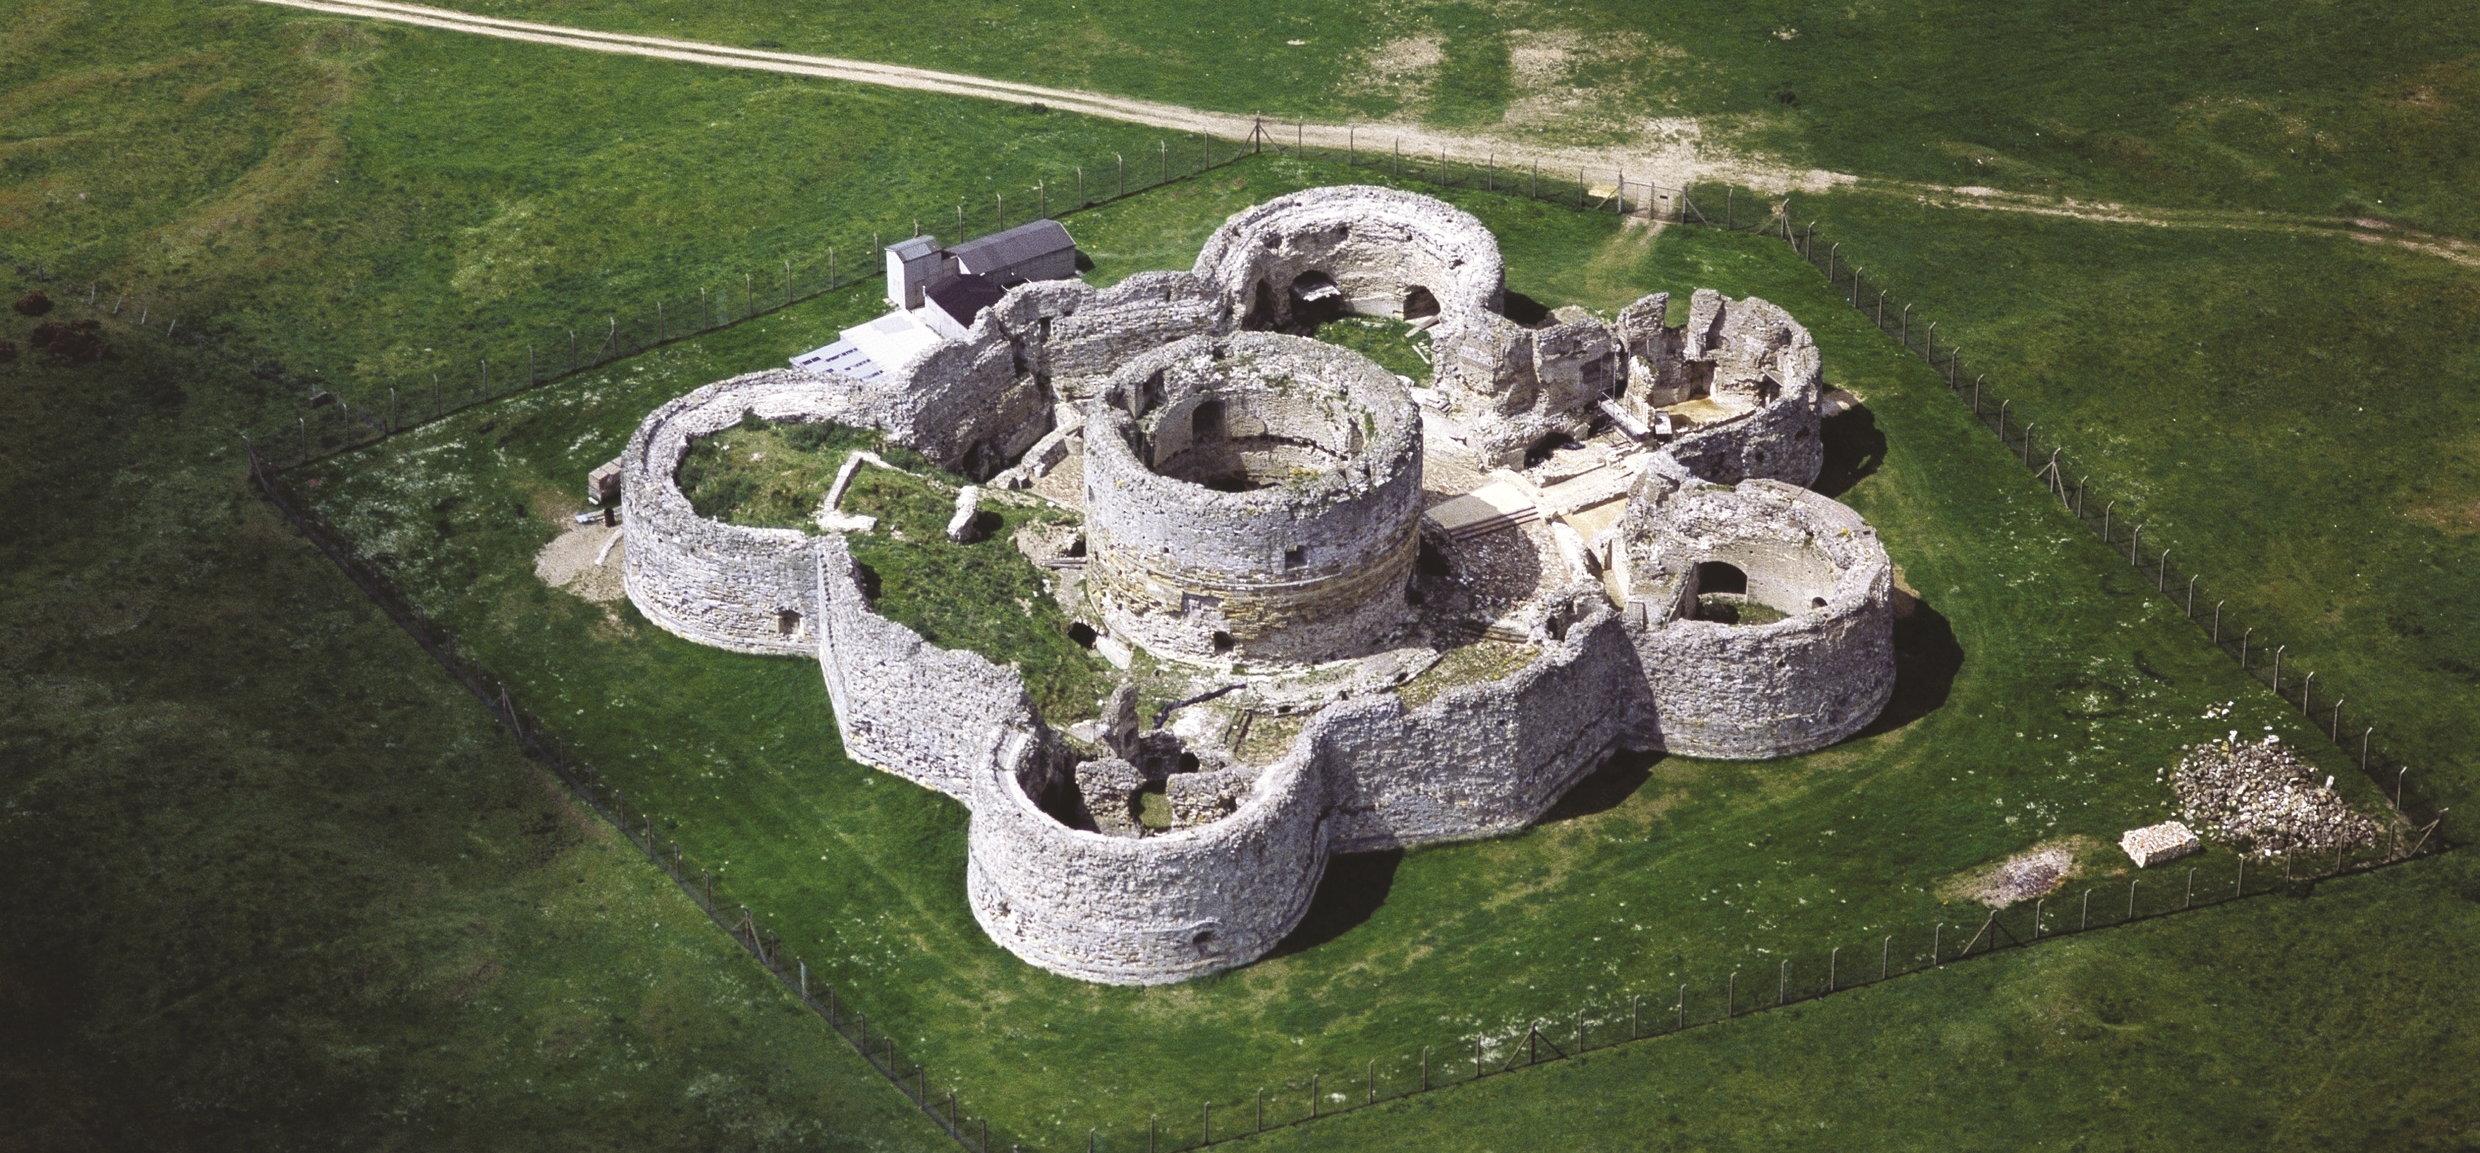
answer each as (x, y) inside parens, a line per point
(927, 714)
(1483, 759)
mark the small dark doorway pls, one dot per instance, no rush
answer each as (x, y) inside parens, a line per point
(1715, 576)
(1419, 302)
(1316, 299)
(1261, 308)
(1206, 423)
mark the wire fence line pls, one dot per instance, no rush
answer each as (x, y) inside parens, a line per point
(338, 414)
(636, 826)
(1720, 993)
(1716, 995)
(2254, 645)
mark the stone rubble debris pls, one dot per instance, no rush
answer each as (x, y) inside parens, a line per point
(2262, 799)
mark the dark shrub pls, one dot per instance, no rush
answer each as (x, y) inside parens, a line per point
(34, 303)
(78, 342)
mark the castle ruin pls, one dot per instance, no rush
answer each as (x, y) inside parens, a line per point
(1302, 537)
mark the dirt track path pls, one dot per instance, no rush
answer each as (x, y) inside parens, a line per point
(1675, 163)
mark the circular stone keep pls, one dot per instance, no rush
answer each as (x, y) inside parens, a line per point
(1762, 615)
(1254, 496)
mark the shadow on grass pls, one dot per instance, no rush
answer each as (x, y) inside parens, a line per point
(1854, 447)
(1356, 884)
(1609, 787)
(1926, 659)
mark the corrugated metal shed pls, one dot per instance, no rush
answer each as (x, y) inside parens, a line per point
(1023, 244)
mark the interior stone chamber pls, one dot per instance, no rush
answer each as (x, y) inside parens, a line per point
(1254, 496)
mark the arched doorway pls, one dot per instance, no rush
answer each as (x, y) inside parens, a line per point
(1715, 576)
(1316, 299)
(1419, 302)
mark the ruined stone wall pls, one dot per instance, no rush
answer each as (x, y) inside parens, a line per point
(703, 580)
(1107, 328)
(1305, 569)
(1484, 759)
(1756, 691)
(924, 713)
(1375, 244)
(1149, 911)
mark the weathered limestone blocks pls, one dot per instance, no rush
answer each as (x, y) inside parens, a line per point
(924, 713)
(1149, 911)
(1819, 673)
(750, 590)
(1109, 327)
(964, 404)
(1353, 249)
(2155, 844)
(1756, 368)
(1252, 496)
(1483, 759)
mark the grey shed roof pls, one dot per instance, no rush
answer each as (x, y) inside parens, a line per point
(1013, 247)
(914, 247)
(965, 297)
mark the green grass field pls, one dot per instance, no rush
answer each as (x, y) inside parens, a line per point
(2045, 691)
(365, 935)
(2306, 109)
(281, 884)
(368, 206)
(2276, 409)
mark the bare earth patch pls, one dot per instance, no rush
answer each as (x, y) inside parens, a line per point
(2035, 872)
(569, 562)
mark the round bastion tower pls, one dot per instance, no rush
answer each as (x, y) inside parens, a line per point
(1252, 496)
